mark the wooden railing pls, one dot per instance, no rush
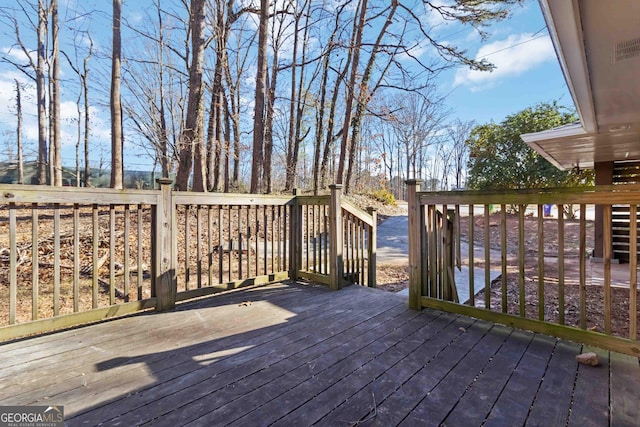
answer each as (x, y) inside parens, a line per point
(548, 283)
(347, 258)
(70, 256)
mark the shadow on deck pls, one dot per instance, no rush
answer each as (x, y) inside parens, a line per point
(298, 354)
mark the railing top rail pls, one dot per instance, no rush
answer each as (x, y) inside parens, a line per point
(602, 194)
(357, 212)
(12, 193)
(314, 200)
(232, 199)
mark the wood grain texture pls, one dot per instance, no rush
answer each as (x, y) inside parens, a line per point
(299, 354)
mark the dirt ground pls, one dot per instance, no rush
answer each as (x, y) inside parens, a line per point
(225, 265)
(395, 278)
(390, 278)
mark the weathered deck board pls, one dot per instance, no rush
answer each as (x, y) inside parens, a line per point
(476, 403)
(443, 331)
(181, 330)
(245, 381)
(591, 400)
(292, 386)
(441, 399)
(179, 369)
(334, 386)
(397, 406)
(553, 400)
(297, 354)
(27, 350)
(625, 395)
(513, 404)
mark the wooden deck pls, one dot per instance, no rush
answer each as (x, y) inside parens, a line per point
(298, 354)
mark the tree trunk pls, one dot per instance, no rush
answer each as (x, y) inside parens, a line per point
(365, 94)
(328, 147)
(192, 134)
(345, 144)
(258, 116)
(299, 106)
(56, 154)
(41, 95)
(85, 88)
(19, 132)
(290, 164)
(213, 140)
(227, 145)
(320, 124)
(319, 171)
(164, 139)
(235, 122)
(117, 171)
(79, 138)
(268, 127)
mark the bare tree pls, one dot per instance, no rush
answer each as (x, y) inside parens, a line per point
(365, 92)
(297, 104)
(354, 51)
(83, 99)
(216, 114)
(459, 132)
(321, 144)
(41, 92)
(258, 116)
(19, 132)
(234, 106)
(117, 142)
(191, 137)
(39, 75)
(156, 81)
(323, 73)
(417, 121)
(54, 99)
(85, 91)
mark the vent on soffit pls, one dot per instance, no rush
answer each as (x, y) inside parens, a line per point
(626, 50)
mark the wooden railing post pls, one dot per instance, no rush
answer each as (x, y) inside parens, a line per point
(295, 236)
(415, 233)
(164, 248)
(373, 236)
(336, 235)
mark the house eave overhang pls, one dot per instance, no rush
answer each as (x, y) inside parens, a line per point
(565, 29)
(559, 137)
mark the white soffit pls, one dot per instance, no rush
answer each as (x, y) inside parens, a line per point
(598, 46)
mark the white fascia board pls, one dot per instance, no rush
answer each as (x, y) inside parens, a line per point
(567, 131)
(565, 28)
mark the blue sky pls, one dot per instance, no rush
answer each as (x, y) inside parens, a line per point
(527, 70)
(527, 73)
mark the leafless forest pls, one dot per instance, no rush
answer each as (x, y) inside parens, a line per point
(252, 96)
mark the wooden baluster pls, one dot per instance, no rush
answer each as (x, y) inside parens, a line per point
(35, 273)
(541, 293)
(472, 262)
(503, 255)
(561, 289)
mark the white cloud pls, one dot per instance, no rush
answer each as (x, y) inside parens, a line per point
(17, 55)
(100, 128)
(433, 17)
(512, 56)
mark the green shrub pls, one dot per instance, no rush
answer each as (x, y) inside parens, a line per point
(384, 196)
